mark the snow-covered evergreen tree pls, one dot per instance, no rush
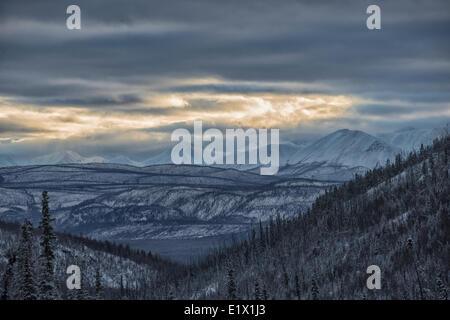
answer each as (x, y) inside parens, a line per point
(314, 289)
(26, 285)
(257, 294)
(98, 284)
(8, 277)
(47, 290)
(231, 286)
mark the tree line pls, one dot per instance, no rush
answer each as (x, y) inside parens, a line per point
(395, 216)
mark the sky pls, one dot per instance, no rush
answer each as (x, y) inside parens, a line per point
(139, 69)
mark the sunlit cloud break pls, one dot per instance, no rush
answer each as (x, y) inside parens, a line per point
(242, 110)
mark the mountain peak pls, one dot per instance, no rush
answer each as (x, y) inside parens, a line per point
(66, 157)
(409, 139)
(348, 132)
(352, 148)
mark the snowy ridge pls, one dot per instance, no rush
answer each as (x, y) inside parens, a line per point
(347, 147)
(65, 157)
(410, 139)
(344, 153)
(114, 270)
(337, 156)
(111, 201)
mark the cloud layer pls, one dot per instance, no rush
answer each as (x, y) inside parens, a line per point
(136, 69)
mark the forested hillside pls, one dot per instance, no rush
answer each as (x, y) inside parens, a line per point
(396, 217)
(108, 271)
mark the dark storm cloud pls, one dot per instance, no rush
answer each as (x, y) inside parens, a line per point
(96, 101)
(8, 126)
(236, 40)
(156, 111)
(127, 49)
(245, 89)
(168, 129)
(390, 110)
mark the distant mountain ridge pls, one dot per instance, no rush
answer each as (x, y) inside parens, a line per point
(347, 147)
(66, 157)
(110, 201)
(409, 139)
(336, 156)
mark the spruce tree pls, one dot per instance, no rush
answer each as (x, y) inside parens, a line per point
(7, 278)
(314, 289)
(443, 295)
(98, 284)
(444, 221)
(410, 248)
(264, 293)
(297, 287)
(26, 285)
(424, 168)
(122, 288)
(262, 238)
(231, 284)
(257, 293)
(47, 257)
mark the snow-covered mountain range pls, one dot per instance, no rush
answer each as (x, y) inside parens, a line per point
(341, 154)
(409, 139)
(66, 157)
(131, 202)
(343, 150)
(120, 202)
(346, 147)
(338, 156)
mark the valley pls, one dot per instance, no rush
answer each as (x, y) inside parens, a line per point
(182, 211)
(118, 202)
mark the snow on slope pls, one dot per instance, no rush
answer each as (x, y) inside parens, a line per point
(409, 139)
(151, 202)
(6, 161)
(114, 269)
(65, 157)
(286, 150)
(347, 147)
(161, 157)
(121, 159)
(336, 156)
